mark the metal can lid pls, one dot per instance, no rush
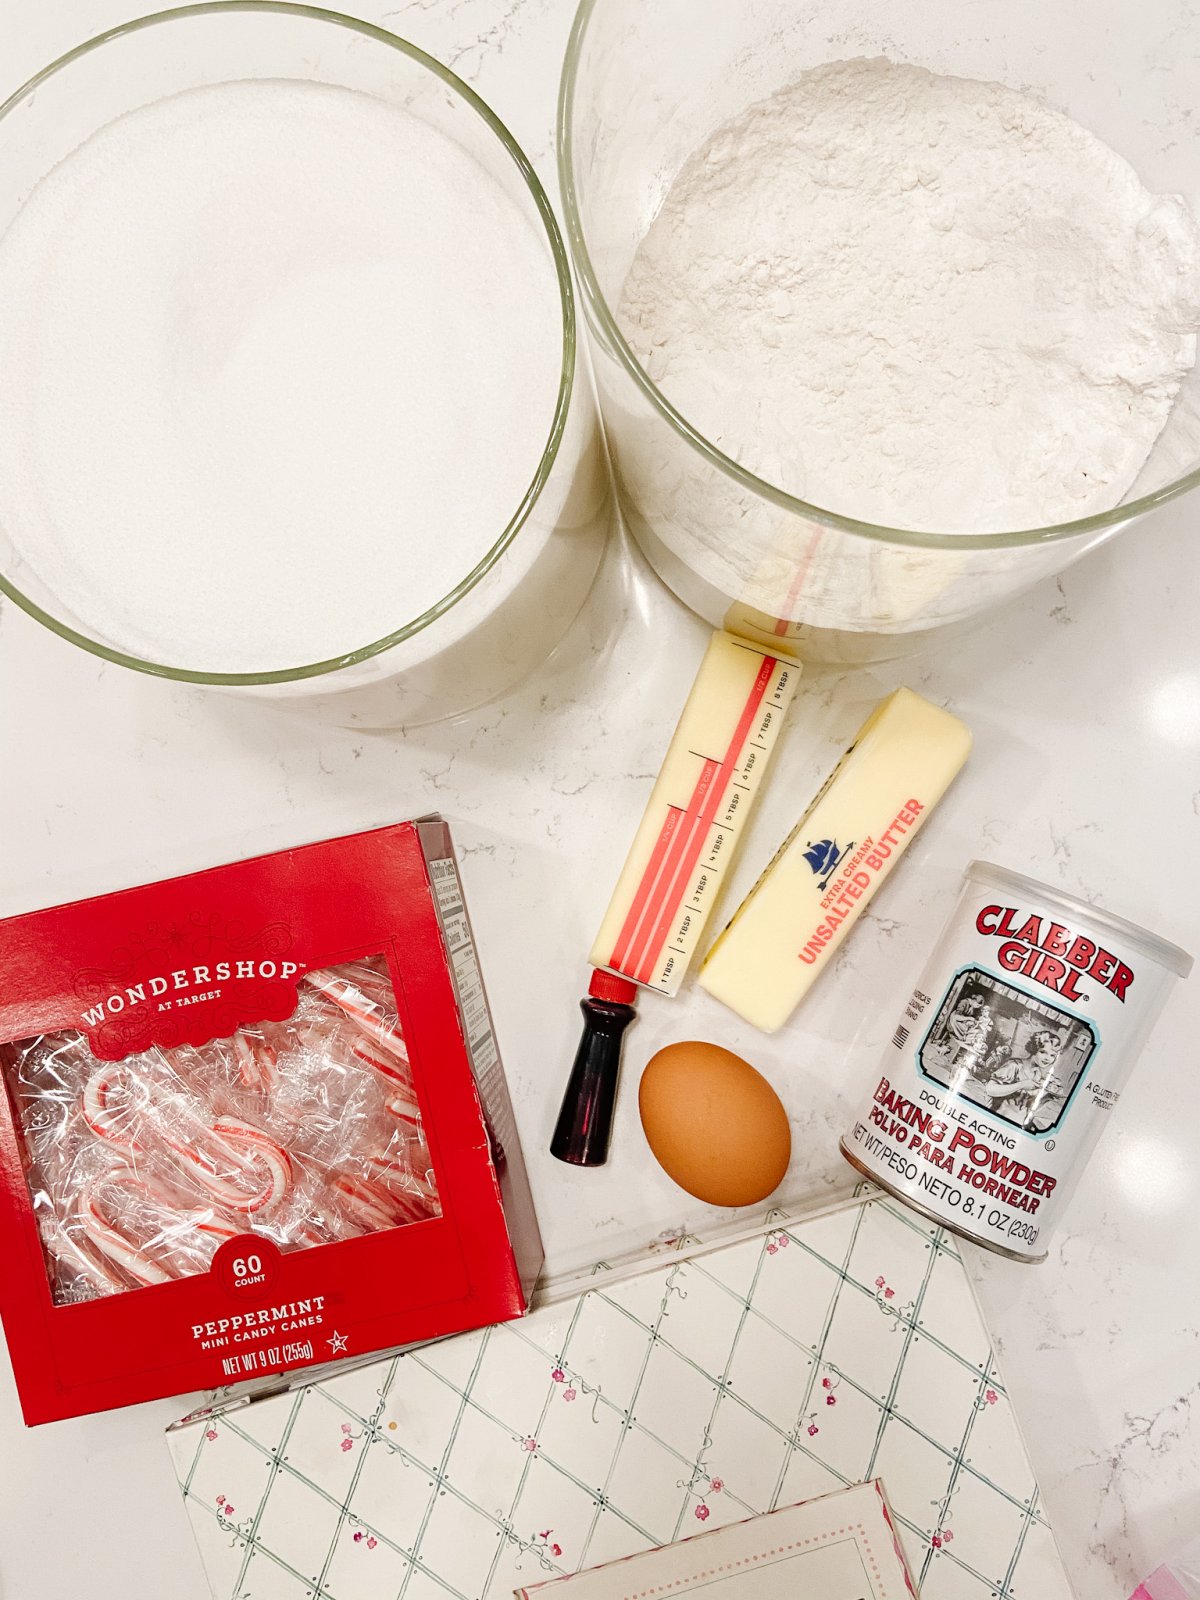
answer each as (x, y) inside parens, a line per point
(1162, 951)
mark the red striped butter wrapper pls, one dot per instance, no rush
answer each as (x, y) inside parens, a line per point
(689, 834)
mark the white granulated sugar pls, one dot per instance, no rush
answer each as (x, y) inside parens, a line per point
(921, 301)
(278, 362)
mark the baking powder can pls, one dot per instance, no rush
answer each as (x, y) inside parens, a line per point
(1010, 1055)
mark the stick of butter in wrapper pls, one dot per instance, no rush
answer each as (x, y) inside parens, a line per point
(694, 819)
(785, 932)
(680, 855)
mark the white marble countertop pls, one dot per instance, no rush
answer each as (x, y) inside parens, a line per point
(1085, 703)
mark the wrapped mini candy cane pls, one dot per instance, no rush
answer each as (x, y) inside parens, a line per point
(385, 1188)
(143, 1231)
(400, 1098)
(257, 1062)
(82, 1272)
(373, 1205)
(144, 1110)
(366, 1013)
(324, 1100)
(355, 992)
(230, 1148)
(305, 1131)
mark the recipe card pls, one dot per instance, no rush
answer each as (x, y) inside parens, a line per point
(840, 1547)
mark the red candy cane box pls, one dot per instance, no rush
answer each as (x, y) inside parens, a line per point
(254, 1119)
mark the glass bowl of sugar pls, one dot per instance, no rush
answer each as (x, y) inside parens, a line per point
(288, 387)
(894, 308)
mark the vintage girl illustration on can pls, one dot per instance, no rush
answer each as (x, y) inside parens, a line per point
(1006, 1052)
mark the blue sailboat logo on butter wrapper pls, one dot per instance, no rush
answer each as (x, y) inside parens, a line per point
(824, 857)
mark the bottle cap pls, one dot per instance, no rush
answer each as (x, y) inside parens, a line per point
(608, 986)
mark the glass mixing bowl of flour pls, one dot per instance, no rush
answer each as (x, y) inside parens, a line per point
(894, 309)
(288, 387)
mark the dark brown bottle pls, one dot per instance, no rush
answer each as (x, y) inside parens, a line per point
(584, 1127)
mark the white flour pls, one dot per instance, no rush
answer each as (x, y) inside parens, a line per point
(277, 363)
(921, 301)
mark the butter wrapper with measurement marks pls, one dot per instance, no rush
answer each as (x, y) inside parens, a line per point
(693, 822)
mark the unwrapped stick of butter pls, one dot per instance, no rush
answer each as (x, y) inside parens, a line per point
(785, 932)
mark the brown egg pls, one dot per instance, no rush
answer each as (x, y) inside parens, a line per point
(714, 1124)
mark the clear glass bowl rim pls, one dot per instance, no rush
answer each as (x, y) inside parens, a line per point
(217, 8)
(598, 305)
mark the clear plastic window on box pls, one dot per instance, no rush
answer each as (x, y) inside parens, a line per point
(305, 1132)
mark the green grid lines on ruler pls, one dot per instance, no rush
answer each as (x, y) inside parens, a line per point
(699, 1391)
